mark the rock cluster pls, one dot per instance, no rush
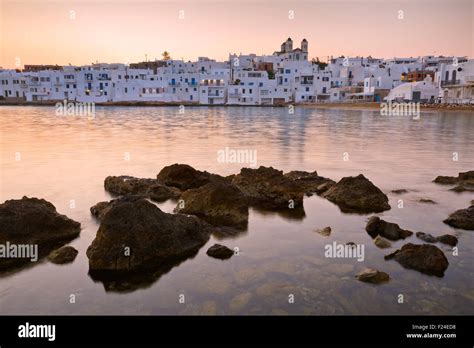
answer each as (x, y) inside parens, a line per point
(33, 222)
(376, 226)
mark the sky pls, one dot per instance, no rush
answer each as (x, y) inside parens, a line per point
(123, 31)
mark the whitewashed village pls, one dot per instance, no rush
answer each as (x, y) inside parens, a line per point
(288, 76)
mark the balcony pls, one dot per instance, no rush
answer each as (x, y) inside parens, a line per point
(235, 95)
(450, 83)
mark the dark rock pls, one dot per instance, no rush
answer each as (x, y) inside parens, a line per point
(452, 180)
(33, 221)
(218, 251)
(65, 254)
(136, 235)
(463, 218)
(269, 188)
(426, 200)
(376, 226)
(100, 209)
(448, 239)
(426, 237)
(151, 188)
(357, 195)
(425, 258)
(399, 191)
(185, 177)
(373, 276)
(464, 181)
(310, 182)
(220, 204)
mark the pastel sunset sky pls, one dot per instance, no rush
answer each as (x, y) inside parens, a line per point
(81, 32)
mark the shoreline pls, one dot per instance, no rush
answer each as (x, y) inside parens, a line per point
(335, 105)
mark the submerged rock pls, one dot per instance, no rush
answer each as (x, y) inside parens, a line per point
(310, 182)
(427, 200)
(448, 239)
(240, 301)
(220, 204)
(465, 186)
(357, 195)
(373, 276)
(136, 235)
(426, 237)
(399, 191)
(376, 226)
(326, 231)
(129, 185)
(462, 218)
(269, 188)
(65, 254)
(218, 251)
(185, 177)
(453, 180)
(445, 238)
(425, 258)
(382, 243)
(33, 221)
(464, 181)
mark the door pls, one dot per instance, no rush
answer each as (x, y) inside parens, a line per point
(416, 96)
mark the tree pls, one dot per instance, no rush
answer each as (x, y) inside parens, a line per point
(321, 65)
(271, 74)
(166, 55)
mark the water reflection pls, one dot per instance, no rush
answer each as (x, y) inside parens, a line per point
(132, 281)
(64, 159)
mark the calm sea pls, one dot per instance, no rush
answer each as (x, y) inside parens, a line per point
(65, 159)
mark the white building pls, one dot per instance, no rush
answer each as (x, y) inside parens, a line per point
(456, 82)
(286, 76)
(420, 91)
